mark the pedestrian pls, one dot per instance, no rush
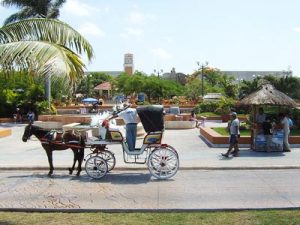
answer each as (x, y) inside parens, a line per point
(194, 118)
(286, 131)
(234, 131)
(18, 115)
(268, 131)
(261, 116)
(30, 116)
(130, 117)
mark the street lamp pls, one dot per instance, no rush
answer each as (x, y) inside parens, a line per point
(158, 72)
(88, 76)
(202, 67)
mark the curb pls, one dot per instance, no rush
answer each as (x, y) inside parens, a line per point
(277, 167)
(120, 210)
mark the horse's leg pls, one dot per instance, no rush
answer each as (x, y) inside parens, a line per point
(74, 161)
(50, 159)
(80, 157)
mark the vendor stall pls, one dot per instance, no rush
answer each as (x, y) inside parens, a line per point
(266, 96)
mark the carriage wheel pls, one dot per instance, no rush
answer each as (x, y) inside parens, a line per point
(96, 167)
(163, 163)
(109, 157)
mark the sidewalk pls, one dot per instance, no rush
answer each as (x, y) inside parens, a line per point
(193, 154)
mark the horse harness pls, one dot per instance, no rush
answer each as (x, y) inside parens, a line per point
(57, 137)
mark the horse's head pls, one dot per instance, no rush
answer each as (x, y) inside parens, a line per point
(27, 132)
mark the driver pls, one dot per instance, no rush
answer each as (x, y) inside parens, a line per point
(130, 117)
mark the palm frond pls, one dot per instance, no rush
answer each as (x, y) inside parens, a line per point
(50, 30)
(41, 58)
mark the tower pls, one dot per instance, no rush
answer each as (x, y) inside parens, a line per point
(128, 63)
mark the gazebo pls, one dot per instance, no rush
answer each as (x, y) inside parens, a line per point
(104, 89)
(266, 96)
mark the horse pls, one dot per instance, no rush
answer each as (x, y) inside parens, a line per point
(65, 141)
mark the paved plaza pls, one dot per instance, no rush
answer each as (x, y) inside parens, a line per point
(193, 152)
(205, 179)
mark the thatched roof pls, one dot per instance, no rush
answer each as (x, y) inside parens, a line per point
(268, 95)
(103, 86)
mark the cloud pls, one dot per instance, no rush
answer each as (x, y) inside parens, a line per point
(161, 53)
(140, 18)
(296, 29)
(132, 32)
(78, 8)
(88, 29)
(168, 39)
(136, 17)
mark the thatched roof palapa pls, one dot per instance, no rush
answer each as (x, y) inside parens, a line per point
(268, 95)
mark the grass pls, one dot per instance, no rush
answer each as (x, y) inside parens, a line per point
(224, 132)
(274, 217)
(207, 114)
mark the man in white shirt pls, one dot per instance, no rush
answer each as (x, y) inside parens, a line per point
(286, 131)
(234, 130)
(261, 116)
(130, 117)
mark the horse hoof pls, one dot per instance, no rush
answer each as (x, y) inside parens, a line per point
(70, 171)
(78, 174)
(49, 174)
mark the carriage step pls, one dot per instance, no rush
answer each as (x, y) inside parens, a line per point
(72, 142)
(133, 153)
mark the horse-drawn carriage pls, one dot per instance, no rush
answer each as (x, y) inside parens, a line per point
(162, 159)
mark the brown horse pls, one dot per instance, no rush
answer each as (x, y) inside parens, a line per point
(67, 140)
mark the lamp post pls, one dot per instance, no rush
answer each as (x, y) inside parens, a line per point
(48, 90)
(202, 67)
(88, 76)
(158, 72)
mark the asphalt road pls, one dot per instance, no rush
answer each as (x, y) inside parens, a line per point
(135, 189)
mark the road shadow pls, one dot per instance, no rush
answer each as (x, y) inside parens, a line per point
(115, 177)
(120, 177)
(44, 176)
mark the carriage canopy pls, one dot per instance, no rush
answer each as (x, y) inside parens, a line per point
(152, 117)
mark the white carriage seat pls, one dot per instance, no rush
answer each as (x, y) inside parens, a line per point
(89, 136)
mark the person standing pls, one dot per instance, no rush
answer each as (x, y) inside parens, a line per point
(234, 130)
(131, 119)
(286, 131)
(194, 118)
(268, 131)
(30, 116)
(261, 116)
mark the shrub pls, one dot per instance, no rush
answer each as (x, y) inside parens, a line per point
(206, 106)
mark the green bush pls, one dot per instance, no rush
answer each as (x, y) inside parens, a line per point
(221, 107)
(206, 106)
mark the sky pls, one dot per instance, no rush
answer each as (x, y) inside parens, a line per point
(231, 35)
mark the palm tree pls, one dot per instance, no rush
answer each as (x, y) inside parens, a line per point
(45, 47)
(33, 9)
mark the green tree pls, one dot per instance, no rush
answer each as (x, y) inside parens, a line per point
(193, 89)
(43, 46)
(33, 9)
(91, 80)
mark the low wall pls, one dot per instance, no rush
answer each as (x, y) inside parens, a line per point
(66, 119)
(6, 120)
(215, 139)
